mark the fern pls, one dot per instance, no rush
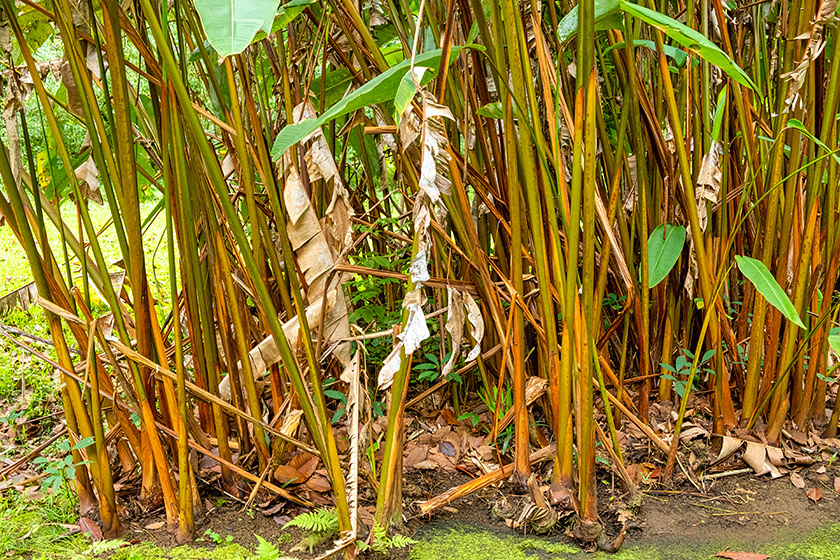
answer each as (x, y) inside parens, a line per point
(382, 543)
(265, 550)
(322, 524)
(317, 521)
(401, 541)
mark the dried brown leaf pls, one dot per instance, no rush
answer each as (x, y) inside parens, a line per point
(733, 555)
(797, 480)
(814, 494)
(86, 525)
(837, 484)
(318, 484)
(285, 474)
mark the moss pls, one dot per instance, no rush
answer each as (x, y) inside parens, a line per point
(468, 543)
(184, 552)
(547, 546)
(824, 543)
(462, 542)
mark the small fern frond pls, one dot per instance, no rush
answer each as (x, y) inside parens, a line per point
(401, 541)
(318, 521)
(266, 550)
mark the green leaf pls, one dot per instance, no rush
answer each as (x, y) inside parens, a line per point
(797, 124)
(84, 442)
(231, 24)
(407, 89)
(378, 90)
(492, 110)
(606, 17)
(757, 273)
(691, 40)
(664, 248)
(679, 55)
(718, 122)
(834, 340)
(338, 395)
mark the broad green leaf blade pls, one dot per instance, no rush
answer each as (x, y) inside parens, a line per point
(834, 340)
(378, 90)
(407, 89)
(757, 273)
(492, 110)
(664, 248)
(231, 24)
(679, 55)
(605, 18)
(797, 124)
(718, 121)
(691, 40)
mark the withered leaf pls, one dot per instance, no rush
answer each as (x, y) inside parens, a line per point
(797, 480)
(837, 484)
(318, 484)
(285, 474)
(88, 526)
(814, 494)
(733, 555)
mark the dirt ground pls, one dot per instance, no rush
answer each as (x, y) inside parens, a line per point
(730, 513)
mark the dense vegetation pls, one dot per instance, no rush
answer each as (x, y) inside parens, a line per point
(559, 215)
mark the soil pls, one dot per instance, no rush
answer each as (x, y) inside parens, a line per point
(731, 513)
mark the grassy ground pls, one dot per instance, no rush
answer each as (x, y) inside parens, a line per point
(23, 378)
(34, 523)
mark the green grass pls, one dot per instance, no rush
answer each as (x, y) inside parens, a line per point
(34, 528)
(26, 382)
(15, 268)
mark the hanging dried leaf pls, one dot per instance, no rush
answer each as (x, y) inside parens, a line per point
(352, 376)
(88, 176)
(23, 297)
(693, 272)
(708, 183)
(476, 325)
(455, 327)
(416, 329)
(816, 45)
(390, 367)
(419, 268)
(74, 99)
(435, 163)
(316, 245)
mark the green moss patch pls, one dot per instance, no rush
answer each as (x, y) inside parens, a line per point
(469, 543)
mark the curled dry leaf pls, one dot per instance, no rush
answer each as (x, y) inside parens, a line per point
(433, 170)
(708, 183)
(317, 246)
(390, 367)
(318, 483)
(416, 329)
(814, 494)
(86, 525)
(816, 43)
(797, 480)
(733, 555)
(454, 326)
(286, 474)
